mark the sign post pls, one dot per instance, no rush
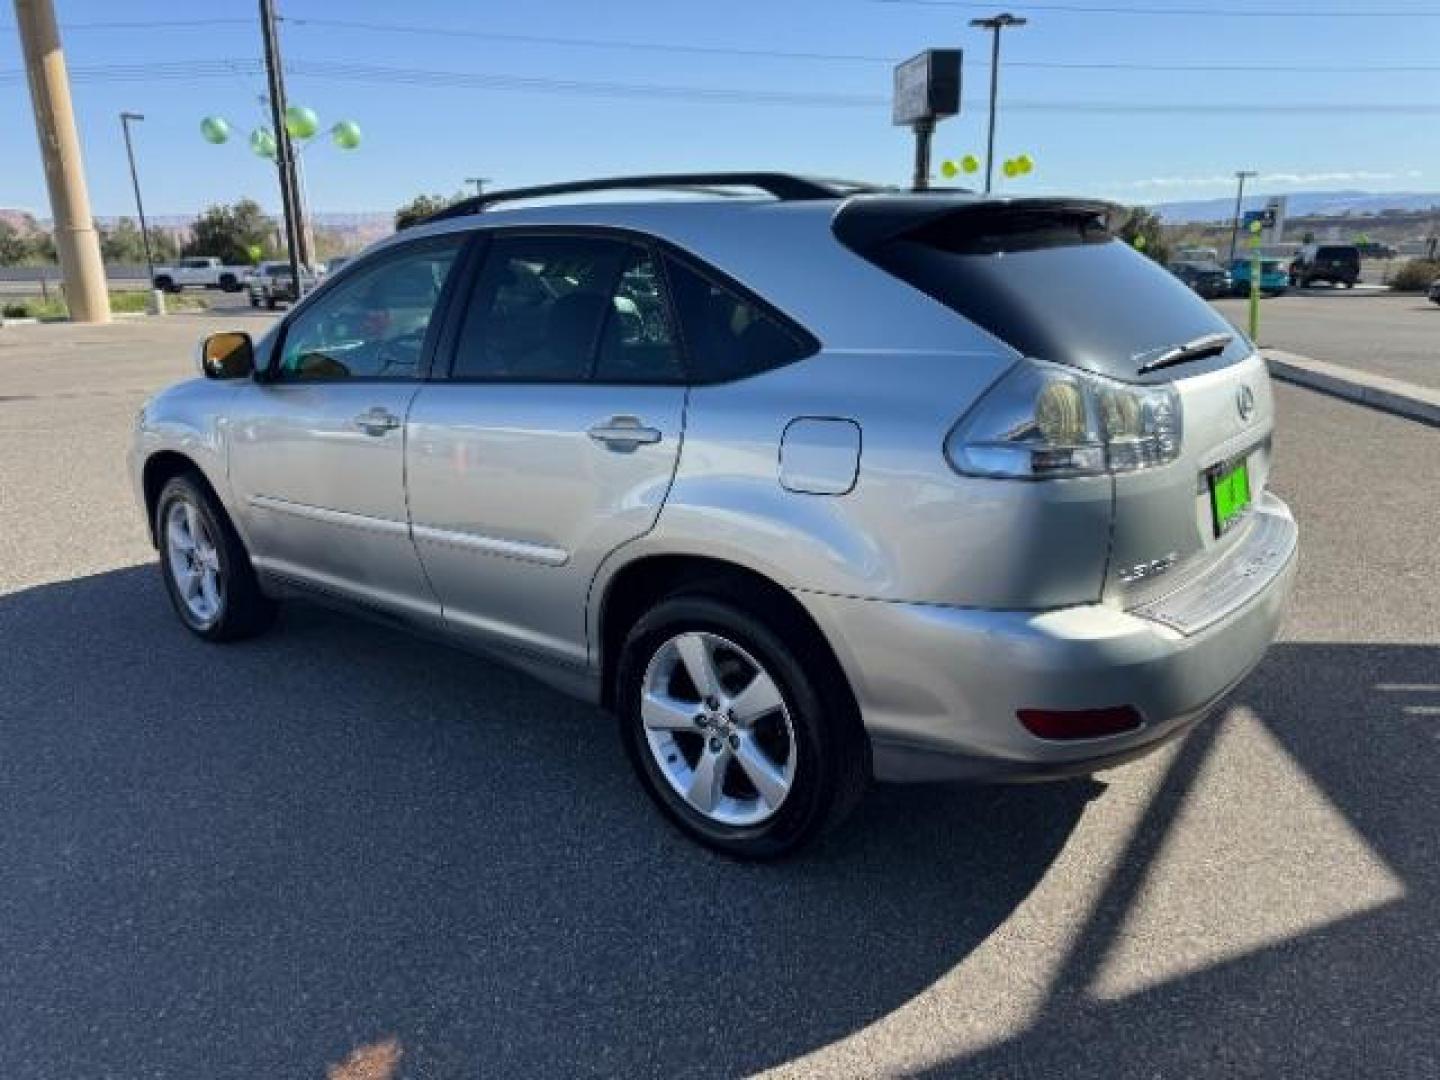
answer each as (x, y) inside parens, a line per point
(1255, 227)
(927, 89)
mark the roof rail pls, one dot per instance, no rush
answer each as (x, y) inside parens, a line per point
(783, 186)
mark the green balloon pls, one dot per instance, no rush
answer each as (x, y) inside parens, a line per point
(215, 129)
(1139, 242)
(970, 163)
(255, 251)
(346, 134)
(1024, 163)
(262, 142)
(1011, 169)
(301, 122)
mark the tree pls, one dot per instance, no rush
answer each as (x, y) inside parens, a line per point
(231, 231)
(422, 206)
(1144, 231)
(14, 246)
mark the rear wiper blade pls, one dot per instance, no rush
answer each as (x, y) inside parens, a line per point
(1199, 349)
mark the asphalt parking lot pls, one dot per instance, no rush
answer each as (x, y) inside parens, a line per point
(1379, 332)
(336, 843)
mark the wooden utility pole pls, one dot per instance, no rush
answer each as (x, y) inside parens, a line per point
(284, 152)
(75, 239)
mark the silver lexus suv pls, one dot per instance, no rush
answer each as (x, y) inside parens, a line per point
(807, 488)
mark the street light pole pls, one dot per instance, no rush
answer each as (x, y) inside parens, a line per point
(1240, 175)
(125, 118)
(994, 24)
(479, 182)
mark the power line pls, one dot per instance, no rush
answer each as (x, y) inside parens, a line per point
(586, 43)
(627, 44)
(1190, 12)
(1278, 66)
(159, 24)
(422, 78)
(351, 72)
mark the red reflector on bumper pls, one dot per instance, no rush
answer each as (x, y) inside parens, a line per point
(1079, 723)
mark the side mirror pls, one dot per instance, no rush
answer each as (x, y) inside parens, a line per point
(227, 355)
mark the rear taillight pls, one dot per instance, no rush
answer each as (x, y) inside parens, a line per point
(1080, 723)
(1046, 420)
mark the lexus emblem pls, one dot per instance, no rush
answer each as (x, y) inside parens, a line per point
(1245, 402)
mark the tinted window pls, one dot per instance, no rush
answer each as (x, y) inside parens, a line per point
(539, 308)
(727, 336)
(1055, 285)
(1339, 254)
(637, 344)
(372, 324)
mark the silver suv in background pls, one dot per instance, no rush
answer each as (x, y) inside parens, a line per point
(807, 489)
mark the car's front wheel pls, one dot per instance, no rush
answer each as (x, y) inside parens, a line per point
(738, 726)
(205, 567)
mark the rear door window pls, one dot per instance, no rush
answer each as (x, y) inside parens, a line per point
(637, 343)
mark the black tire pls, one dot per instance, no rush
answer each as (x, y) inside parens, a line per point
(228, 283)
(832, 761)
(270, 303)
(254, 302)
(244, 610)
(164, 284)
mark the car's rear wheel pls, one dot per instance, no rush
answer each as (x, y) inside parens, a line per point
(205, 567)
(737, 727)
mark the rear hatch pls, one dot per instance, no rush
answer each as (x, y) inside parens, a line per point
(1048, 278)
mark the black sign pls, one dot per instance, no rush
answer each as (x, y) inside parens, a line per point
(927, 87)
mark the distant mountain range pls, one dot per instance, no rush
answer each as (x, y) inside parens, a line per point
(1302, 204)
(359, 229)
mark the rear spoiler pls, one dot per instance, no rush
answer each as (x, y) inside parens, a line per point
(865, 222)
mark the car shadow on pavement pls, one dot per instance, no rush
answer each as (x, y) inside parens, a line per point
(252, 860)
(1353, 996)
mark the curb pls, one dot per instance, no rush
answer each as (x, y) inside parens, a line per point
(1394, 396)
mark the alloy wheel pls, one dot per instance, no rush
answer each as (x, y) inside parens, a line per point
(194, 562)
(718, 728)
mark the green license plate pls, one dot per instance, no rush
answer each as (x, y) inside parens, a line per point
(1229, 494)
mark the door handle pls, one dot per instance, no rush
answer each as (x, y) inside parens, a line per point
(624, 433)
(377, 421)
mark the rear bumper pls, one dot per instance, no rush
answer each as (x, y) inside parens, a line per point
(939, 687)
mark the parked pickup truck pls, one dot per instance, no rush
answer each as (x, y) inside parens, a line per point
(200, 272)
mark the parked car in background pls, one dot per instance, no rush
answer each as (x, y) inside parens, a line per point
(273, 284)
(255, 281)
(1434, 291)
(1197, 255)
(200, 272)
(1209, 279)
(806, 492)
(1337, 264)
(1274, 278)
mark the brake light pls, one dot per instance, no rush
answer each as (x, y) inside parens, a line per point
(1047, 420)
(1080, 723)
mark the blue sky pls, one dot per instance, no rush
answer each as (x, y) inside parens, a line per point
(428, 131)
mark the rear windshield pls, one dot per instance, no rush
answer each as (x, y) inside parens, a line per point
(1339, 254)
(1056, 285)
